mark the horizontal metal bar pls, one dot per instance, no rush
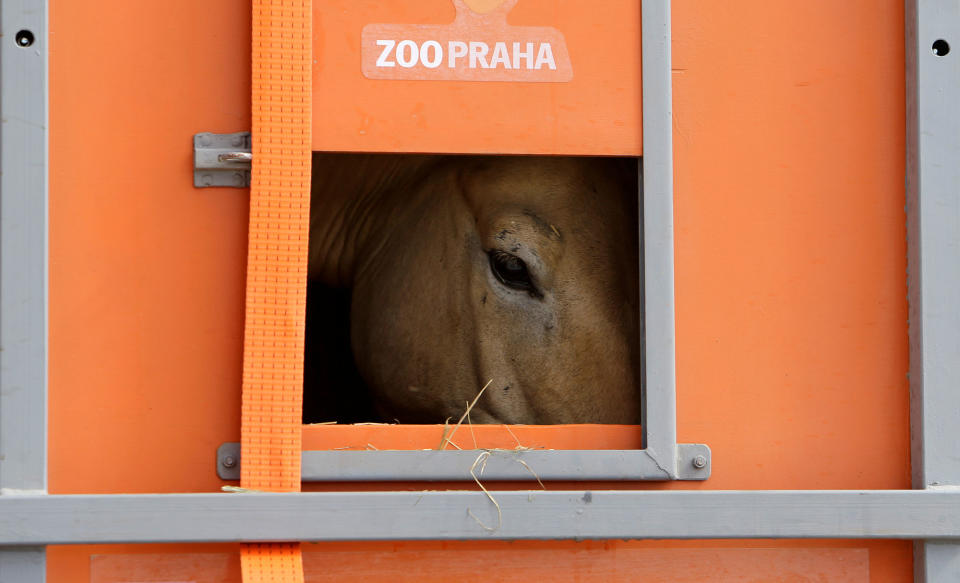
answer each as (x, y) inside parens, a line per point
(492, 465)
(446, 515)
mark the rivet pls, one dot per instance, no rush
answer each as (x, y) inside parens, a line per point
(229, 461)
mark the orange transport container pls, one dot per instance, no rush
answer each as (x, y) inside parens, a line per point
(791, 312)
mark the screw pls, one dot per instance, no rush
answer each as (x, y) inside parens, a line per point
(229, 461)
(700, 462)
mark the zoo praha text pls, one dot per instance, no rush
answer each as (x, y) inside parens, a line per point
(475, 47)
(474, 55)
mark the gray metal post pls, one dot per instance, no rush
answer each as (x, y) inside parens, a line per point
(659, 400)
(933, 227)
(23, 267)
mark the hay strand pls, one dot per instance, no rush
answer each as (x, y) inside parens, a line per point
(447, 439)
(239, 490)
(443, 436)
(470, 425)
(533, 473)
(482, 461)
(515, 438)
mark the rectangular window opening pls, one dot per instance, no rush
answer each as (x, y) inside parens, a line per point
(508, 286)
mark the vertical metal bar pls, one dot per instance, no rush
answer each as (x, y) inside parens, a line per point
(659, 398)
(933, 236)
(26, 565)
(23, 245)
(23, 266)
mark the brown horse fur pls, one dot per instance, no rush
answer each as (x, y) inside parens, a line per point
(431, 321)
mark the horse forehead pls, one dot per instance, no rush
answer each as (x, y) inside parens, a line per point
(542, 190)
(574, 214)
(517, 175)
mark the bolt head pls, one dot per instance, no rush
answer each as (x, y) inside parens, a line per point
(700, 462)
(229, 461)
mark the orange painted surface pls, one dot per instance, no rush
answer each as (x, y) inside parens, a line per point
(443, 562)
(596, 112)
(471, 437)
(654, 561)
(790, 260)
(146, 272)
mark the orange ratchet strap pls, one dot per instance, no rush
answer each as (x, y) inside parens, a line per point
(277, 269)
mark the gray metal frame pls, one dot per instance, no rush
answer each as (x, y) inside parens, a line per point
(23, 268)
(661, 458)
(933, 229)
(930, 513)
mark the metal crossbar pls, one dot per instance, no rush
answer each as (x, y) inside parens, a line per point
(460, 515)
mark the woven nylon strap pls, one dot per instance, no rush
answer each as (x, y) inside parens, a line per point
(277, 269)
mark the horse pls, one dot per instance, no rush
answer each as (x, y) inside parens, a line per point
(514, 276)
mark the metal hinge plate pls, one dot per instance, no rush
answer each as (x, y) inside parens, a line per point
(221, 160)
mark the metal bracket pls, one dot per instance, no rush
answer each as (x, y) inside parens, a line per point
(693, 461)
(228, 460)
(222, 160)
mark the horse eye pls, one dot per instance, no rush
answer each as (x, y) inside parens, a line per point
(511, 271)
